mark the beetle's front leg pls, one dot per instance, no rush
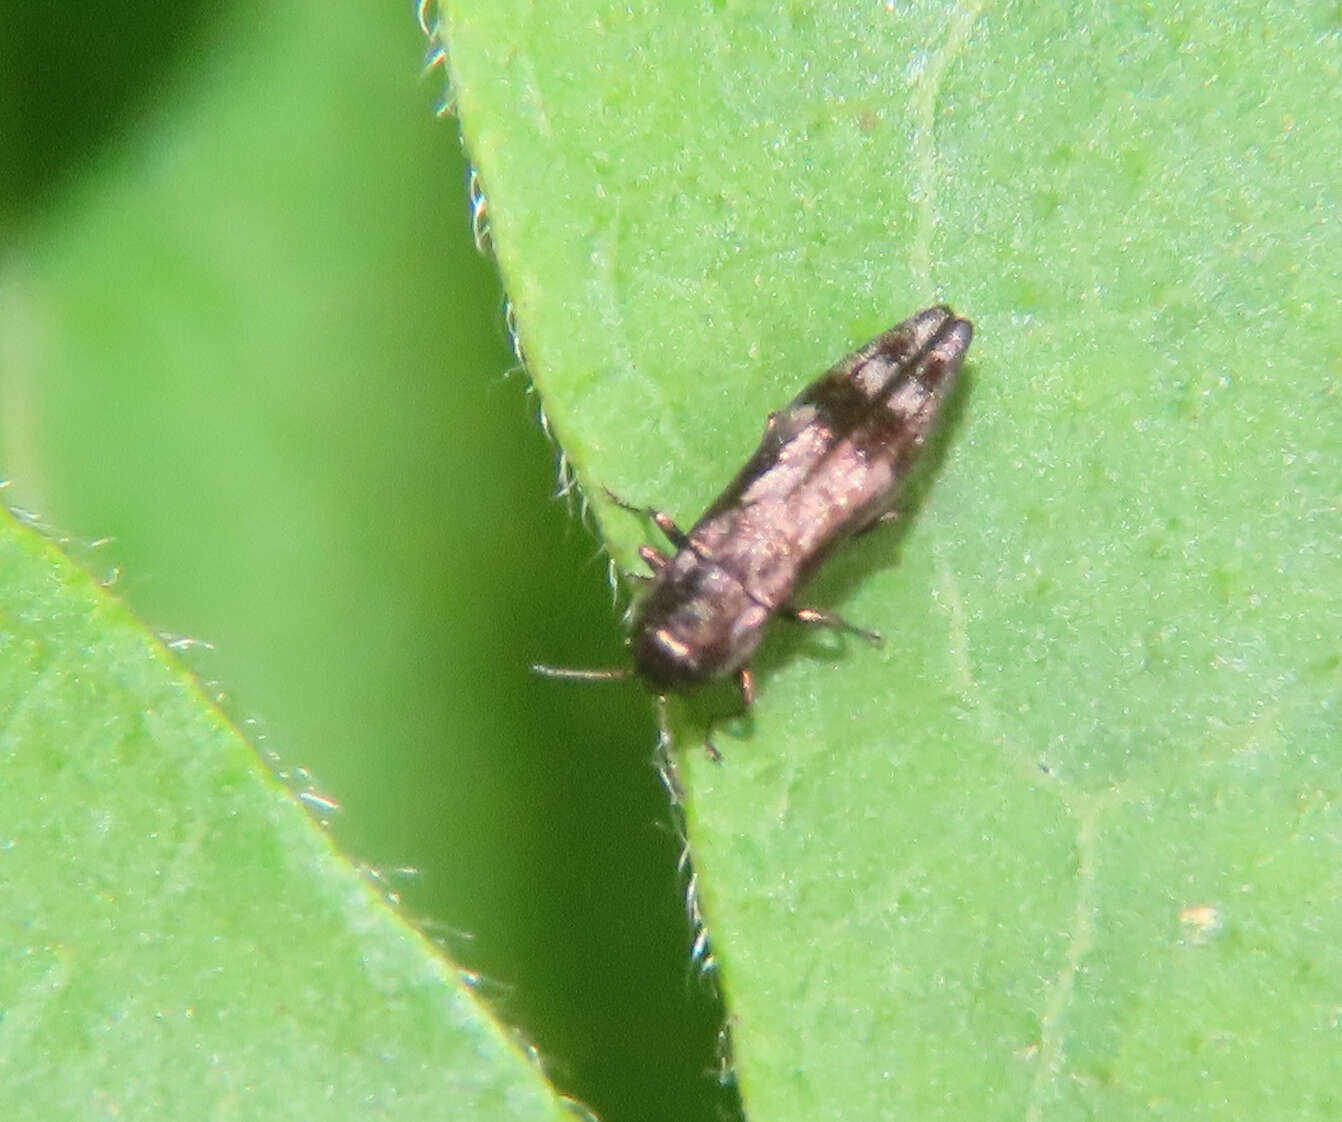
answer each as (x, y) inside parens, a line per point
(655, 559)
(816, 618)
(674, 534)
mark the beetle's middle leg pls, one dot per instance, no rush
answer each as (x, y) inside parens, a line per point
(816, 618)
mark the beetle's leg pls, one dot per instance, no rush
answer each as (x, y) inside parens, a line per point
(655, 559)
(881, 520)
(837, 623)
(745, 678)
(674, 534)
(635, 577)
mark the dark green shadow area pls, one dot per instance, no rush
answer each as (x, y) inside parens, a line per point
(60, 108)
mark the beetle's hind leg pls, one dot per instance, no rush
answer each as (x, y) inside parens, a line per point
(814, 618)
(674, 534)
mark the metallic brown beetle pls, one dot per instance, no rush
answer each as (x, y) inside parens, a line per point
(831, 465)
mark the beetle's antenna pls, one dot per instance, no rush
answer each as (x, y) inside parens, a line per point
(607, 674)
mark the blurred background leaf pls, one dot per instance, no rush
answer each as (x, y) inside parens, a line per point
(244, 333)
(180, 939)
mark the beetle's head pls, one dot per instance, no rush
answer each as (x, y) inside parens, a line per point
(695, 630)
(667, 661)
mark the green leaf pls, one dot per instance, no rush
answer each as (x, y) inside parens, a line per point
(180, 939)
(1068, 846)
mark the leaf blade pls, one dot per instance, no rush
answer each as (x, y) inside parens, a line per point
(1110, 640)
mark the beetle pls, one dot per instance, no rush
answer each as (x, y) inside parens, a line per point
(830, 465)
